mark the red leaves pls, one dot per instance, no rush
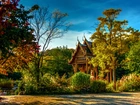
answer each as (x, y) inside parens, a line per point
(3, 71)
(22, 56)
(27, 23)
(37, 48)
(16, 37)
(2, 32)
(6, 7)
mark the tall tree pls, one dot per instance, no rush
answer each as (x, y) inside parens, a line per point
(110, 41)
(15, 31)
(14, 26)
(47, 26)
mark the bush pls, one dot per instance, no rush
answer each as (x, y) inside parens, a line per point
(97, 86)
(80, 81)
(28, 87)
(54, 84)
(6, 84)
(110, 87)
(129, 83)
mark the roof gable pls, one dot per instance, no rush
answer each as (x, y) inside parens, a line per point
(82, 50)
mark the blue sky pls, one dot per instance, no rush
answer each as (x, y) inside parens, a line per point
(83, 15)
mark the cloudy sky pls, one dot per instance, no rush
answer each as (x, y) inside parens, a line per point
(83, 15)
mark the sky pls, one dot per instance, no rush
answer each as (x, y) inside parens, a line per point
(83, 15)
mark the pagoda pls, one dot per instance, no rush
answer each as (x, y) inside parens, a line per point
(81, 57)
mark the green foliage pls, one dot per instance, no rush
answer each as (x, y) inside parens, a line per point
(80, 81)
(129, 83)
(97, 86)
(111, 41)
(16, 29)
(26, 88)
(120, 72)
(133, 58)
(28, 83)
(49, 84)
(63, 81)
(6, 84)
(61, 55)
(108, 39)
(14, 75)
(20, 89)
(30, 88)
(55, 84)
(110, 87)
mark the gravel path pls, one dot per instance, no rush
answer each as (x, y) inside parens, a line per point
(125, 98)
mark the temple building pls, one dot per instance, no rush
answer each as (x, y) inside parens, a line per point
(80, 61)
(81, 57)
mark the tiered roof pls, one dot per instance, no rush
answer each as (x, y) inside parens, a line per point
(85, 48)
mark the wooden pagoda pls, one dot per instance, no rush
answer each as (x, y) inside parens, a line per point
(81, 57)
(80, 61)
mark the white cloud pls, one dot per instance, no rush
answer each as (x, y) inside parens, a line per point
(70, 39)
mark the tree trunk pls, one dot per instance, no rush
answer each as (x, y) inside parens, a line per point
(37, 71)
(114, 78)
(110, 75)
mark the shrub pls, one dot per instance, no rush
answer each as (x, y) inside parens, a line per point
(80, 81)
(6, 84)
(97, 86)
(129, 83)
(110, 87)
(54, 84)
(30, 88)
(20, 87)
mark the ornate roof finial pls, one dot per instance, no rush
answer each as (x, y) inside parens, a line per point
(78, 40)
(85, 37)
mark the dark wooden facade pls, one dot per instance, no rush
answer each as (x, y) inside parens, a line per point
(80, 61)
(81, 57)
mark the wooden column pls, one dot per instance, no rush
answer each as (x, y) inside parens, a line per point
(75, 68)
(86, 64)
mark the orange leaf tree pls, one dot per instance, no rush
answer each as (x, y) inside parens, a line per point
(16, 36)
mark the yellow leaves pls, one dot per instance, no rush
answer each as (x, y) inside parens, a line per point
(127, 60)
(48, 58)
(106, 70)
(112, 12)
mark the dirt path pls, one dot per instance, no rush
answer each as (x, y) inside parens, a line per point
(82, 99)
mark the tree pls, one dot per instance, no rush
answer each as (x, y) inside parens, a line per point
(20, 59)
(47, 26)
(15, 31)
(14, 26)
(110, 41)
(133, 58)
(59, 61)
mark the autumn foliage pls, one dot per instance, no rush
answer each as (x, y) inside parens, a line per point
(17, 42)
